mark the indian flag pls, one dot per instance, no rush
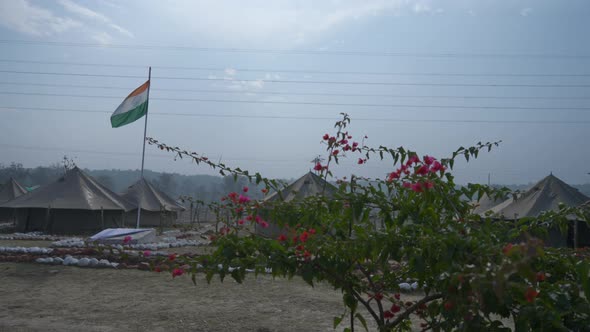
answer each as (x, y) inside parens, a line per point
(133, 107)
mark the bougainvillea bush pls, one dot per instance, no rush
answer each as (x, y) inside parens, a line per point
(374, 238)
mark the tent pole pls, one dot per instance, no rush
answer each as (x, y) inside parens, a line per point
(144, 136)
(102, 217)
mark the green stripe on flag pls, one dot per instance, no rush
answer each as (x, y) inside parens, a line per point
(122, 119)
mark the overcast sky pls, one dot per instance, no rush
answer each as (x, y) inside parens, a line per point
(429, 75)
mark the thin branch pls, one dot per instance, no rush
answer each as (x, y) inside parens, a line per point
(413, 308)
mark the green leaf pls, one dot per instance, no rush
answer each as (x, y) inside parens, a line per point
(362, 320)
(338, 320)
(583, 270)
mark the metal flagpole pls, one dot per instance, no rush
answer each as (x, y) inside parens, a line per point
(144, 136)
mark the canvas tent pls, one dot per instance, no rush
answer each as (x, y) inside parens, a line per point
(157, 208)
(118, 235)
(75, 203)
(308, 185)
(546, 195)
(9, 191)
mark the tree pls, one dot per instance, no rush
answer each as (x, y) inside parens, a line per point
(472, 270)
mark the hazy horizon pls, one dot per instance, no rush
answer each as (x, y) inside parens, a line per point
(257, 85)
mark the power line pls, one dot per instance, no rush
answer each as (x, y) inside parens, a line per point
(128, 153)
(296, 71)
(301, 52)
(303, 81)
(310, 103)
(233, 116)
(291, 93)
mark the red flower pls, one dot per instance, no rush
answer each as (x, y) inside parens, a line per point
(396, 295)
(413, 160)
(355, 144)
(157, 269)
(245, 189)
(423, 170)
(282, 238)
(346, 147)
(540, 276)
(428, 160)
(326, 137)
(361, 161)
(395, 308)
(177, 272)
(417, 187)
(249, 218)
(303, 237)
(307, 254)
(507, 248)
(428, 185)
(344, 141)
(318, 167)
(147, 253)
(127, 239)
(448, 305)
(312, 231)
(264, 190)
(530, 294)
(388, 314)
(436, 166)
(393, 176)
(172, 257)
(241, 222)
(378, 296)
(335, 152)
(244, 199)
(331, 140)
(263, 224)
(407, 185)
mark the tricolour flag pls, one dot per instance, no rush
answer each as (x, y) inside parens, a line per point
(133, 107)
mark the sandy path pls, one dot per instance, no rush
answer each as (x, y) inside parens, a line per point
(37, 297)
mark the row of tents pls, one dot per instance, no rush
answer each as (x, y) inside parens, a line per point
(545, 195)
(77, 203)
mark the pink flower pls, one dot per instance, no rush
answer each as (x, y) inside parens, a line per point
(417, 187)
(258, 219)
(392, 176)
(147, 253)
(436, 166)
(335, 152)
(312, 231)
(244, 199)
(177, 272)
(245, 189)
(263, 224)
(127, 239)
(303, 237)
(346, 147)
(428, 160)
(344, 141)
(413, 160)
(318, 167)
(241, 222)
(423, 170)
(407, 185)
(172, 257)
(428, 185)
(249, 218)
(282, 238)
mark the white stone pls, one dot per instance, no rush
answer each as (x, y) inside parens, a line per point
(83, 262)
(93, 262)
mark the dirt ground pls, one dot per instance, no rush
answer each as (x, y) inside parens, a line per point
(36, 297)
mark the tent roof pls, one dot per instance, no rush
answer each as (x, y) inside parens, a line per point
(308, 185)
(11, 190)
(151, 199)
(543, 196)
(485, 204)
(74, 190)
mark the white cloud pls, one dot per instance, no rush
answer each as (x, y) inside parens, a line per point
(280, 23)
(525, 11)
(230, 72)
(86, 12)
(22, 16)
(103, 38)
